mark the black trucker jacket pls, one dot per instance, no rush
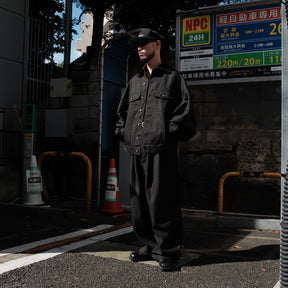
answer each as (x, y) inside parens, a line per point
(154, 113)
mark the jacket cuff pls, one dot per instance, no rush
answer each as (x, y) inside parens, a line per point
(173, 128)
(119, 134)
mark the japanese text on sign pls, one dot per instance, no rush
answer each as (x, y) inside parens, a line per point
(248, 16)
(233, 41)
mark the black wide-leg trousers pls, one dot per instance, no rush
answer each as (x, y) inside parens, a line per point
(156, 203)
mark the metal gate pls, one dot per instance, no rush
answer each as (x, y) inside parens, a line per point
(40, 65)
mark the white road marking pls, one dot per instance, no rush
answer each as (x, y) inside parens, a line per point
(21, 248)
(28, 260)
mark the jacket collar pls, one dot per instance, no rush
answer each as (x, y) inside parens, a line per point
(162, 68)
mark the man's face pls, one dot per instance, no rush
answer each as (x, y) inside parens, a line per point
(146, 50)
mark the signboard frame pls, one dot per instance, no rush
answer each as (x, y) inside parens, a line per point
(197, 59)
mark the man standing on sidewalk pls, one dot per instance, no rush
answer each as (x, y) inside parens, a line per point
(155, 112)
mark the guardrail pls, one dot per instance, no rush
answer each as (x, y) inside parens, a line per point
(74, 154)
(240, 174)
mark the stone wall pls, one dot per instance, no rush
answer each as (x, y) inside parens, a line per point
(238, 130)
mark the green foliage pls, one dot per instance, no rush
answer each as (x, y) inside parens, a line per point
(158, 15)
(132, 14)
(60, 65)
(50, 12)
(127, 15)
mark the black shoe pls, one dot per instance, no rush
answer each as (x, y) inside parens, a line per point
(137, 257)
(167, 264)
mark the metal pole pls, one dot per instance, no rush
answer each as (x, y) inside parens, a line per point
(101, 71)
(26, 153)
(284, 154)
(68, 26)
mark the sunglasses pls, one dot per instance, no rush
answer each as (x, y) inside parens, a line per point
(143, 42)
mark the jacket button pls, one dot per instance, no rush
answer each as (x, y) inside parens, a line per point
(136, 150)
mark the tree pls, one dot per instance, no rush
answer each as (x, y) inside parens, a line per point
(128, 15)
(98, 9)
(50, 12)
(158, 15)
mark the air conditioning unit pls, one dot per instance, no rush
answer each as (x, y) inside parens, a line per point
(61, 87)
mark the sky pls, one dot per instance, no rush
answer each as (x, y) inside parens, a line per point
(59, 57)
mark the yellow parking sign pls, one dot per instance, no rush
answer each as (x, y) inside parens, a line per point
(196, 31)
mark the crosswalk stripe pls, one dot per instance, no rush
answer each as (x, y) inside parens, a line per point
(28, 260)
(27, 246)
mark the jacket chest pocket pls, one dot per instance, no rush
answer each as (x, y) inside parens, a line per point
(135, 103)
(162, 95)
(164, 101)
(163, 98)
(135, 97)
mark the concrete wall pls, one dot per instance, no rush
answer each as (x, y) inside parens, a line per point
(12, 25)
(238, 130)
(12, 31)
(85, 110)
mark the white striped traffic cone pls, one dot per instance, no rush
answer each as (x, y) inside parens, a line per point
(112, 202)
(33, 184)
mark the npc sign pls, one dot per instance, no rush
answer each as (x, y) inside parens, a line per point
(196, 31)
(225, 44)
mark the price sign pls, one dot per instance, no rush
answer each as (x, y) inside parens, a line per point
(238, 60)
(272, 57)
(222, 44)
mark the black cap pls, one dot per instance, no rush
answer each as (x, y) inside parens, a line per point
(144, 36)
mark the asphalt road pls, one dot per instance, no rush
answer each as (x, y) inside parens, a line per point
(214, 256)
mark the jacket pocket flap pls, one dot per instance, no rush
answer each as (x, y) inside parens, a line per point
(135, 97)
(162, 94)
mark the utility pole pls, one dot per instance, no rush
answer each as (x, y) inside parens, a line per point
(284, 152)
(68, 32)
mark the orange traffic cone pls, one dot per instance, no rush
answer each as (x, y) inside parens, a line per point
(112, 202)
